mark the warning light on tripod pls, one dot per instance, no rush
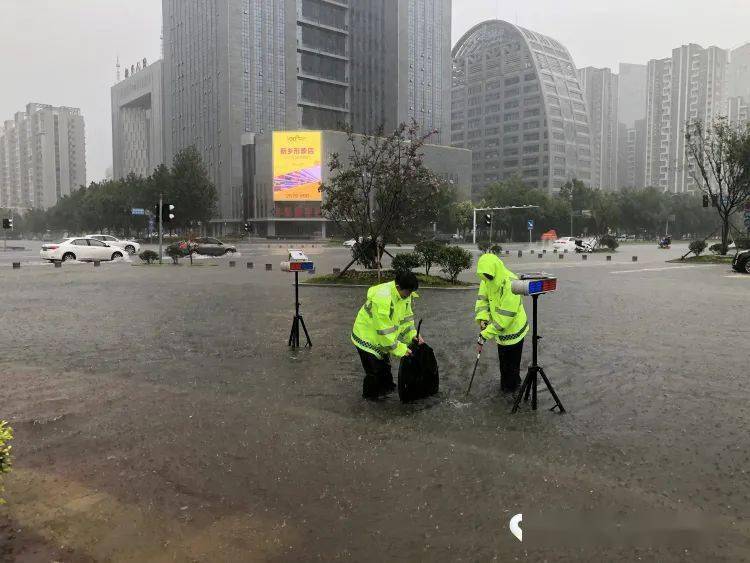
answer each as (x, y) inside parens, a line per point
(534, 284)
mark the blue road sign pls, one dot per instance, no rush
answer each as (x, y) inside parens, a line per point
(137, 211)
(530, 224)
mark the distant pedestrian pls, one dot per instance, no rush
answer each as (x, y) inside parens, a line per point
(501, 317)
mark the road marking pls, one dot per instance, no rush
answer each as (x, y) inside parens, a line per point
(741, 276)
(657, 269)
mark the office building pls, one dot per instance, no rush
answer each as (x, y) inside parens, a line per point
(42, 156)
(738, 112)
(401, 65)
(259, 66)
(517, 104)
(137, 121)
(284, 171)
(631, 95)
(738, 79)
(688, 86)
(631, 111)
(631, 163)
(600, 88)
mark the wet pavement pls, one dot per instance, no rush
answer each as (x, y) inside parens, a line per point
(160, 416)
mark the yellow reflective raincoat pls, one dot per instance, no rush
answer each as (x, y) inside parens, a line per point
(385, 323)
(497, 305)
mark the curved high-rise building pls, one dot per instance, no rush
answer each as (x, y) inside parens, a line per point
(517, 104)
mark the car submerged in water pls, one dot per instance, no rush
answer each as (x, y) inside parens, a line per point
(81, 249)
(205, 246)
(573, 244)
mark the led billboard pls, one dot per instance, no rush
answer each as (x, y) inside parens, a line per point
(297, 158)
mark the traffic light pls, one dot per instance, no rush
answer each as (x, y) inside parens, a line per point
(705, 200)
(488, 220)
(167, 213)
(8, 223)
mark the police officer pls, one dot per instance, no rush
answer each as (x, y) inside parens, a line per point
(501, 317)
(384, 327)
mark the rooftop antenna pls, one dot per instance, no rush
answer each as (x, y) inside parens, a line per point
(118, 68)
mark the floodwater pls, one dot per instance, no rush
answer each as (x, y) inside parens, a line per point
(160, 416)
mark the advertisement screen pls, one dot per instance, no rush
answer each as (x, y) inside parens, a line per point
(297, 165)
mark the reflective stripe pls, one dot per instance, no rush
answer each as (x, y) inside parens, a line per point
(407, 319)
(482, 309)
(377, 350)
(368, 308)
(505, 313)
(483, 298)
(386, 331)
(497, 326)
(406, 331)
(392, 346)
(513, 336)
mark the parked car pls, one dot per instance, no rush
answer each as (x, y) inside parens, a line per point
(208, 246)
(573, 244)
(741, 262)
(443, 238)
(131, 247)
(82, 249)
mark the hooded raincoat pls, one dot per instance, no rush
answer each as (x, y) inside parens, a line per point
(385, 323)
(497, 305)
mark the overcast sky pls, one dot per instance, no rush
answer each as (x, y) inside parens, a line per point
(63, 52)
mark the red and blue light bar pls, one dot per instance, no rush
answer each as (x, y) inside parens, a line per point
(542, 286)
(301, 266)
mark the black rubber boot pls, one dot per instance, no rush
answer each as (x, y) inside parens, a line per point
(371, 388)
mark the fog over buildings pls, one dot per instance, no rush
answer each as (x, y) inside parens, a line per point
(630, 39)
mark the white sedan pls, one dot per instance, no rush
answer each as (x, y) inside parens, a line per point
(130, 246)
(573, 244)
(81, 249)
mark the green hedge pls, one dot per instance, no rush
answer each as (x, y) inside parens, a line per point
(6, 435)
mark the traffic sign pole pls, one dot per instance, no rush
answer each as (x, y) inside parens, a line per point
(530, 225)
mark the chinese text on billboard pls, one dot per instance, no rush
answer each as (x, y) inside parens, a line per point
(297, 165)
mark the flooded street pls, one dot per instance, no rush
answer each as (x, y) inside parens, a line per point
(159, 415)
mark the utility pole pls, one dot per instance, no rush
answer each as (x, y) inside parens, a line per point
(475, 226)
(160, 227)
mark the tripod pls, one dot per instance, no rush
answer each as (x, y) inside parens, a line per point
(298, 320)
(528, 387)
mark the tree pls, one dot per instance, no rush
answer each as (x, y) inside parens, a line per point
(697, 247)
(462, 213)
(605, 213)
(381, 189)
(454, 260)
(719, 162)
(429, 251)
(406, 262)
(192, 192)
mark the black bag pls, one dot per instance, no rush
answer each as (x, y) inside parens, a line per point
(418, 374)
